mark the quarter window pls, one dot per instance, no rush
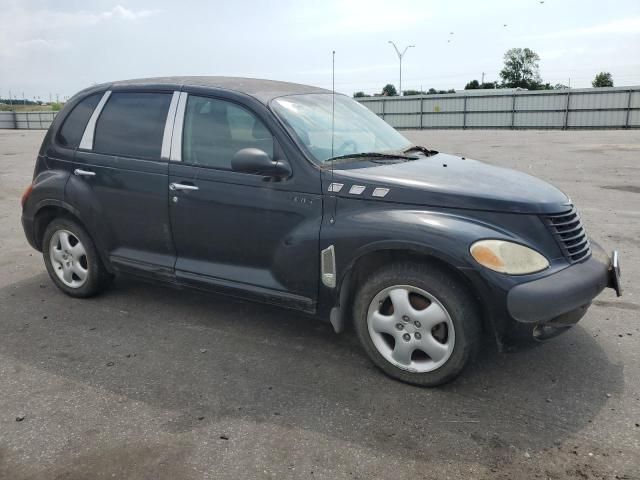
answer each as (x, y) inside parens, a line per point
(73, 127)
(132, 124)
(214, 130)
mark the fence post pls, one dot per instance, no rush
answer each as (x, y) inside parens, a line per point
(421, 110)
(566, 111)
(626, 123)
(15, 120)
(513, 110)
(384, 100)
(464, 113)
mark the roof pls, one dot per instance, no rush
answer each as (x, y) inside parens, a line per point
(262, 90)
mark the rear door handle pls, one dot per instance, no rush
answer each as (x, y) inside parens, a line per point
(83, 173)
(182, 186)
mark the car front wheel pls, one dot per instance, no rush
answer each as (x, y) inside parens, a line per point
(417, 323)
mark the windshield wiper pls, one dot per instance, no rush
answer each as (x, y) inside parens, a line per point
(374, 155)
(419, 148)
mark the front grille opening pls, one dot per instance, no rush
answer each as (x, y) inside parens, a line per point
(570, 234)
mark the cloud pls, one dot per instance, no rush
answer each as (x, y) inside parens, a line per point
(121, 12)
(42, 44)
(51, 19)
(622, 26)
(358, 17)
(38, 29)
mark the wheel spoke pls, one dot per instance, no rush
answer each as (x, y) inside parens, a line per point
(67, 274)
(57, 255)
(432, 347)
(64, 240)
(402, 352)
(400, 300)
(383, 323)
(80, 272)
(78, 250)
(431, 316)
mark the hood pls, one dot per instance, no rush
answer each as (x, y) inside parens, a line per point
(453, 182)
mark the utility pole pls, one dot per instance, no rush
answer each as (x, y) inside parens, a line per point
(482, 83)
(400, 55)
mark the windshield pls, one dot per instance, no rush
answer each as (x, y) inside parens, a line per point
(356, 129)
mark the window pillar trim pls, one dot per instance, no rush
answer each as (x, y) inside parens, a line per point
(178, 124)
(86, 143)
(165, 151)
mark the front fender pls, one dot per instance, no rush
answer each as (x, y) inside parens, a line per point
(361, 228)
(447, 235)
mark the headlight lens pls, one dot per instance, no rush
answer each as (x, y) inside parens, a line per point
(508, 257)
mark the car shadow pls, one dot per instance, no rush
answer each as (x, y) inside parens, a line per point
(209, 358)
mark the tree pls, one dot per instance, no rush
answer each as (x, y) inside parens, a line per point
(472, 85)
(560, 86)
(521, 69)
(360, 95)
(389, 90)
(433, 91)
(603, 79)
(407, 93)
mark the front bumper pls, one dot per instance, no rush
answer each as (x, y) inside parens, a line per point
(543, 308)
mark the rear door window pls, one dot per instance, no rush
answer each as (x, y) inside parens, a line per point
(132, 124)
(73, 127)
(214, 130)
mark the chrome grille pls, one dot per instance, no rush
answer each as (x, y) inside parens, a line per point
(570, 234)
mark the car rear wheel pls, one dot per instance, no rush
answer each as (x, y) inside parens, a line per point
(72, 260)
(417, 323)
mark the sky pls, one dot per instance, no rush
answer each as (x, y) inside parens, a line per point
(59, 47)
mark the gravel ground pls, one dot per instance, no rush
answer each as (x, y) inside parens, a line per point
(151, 382)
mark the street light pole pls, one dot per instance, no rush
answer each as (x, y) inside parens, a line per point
(400, 55)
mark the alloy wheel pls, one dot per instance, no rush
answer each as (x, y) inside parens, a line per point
(410, 328)
(68, 258)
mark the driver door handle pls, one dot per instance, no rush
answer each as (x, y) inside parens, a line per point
(83, 173)
(182, 186)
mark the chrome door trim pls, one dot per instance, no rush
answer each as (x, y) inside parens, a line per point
(176, 137)
(165, 152)
(86, 143)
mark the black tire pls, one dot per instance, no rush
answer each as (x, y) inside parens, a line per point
(452, 295)
(98, 278)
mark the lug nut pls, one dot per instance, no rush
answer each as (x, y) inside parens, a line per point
(417, 324)
(418, 336)
(399, 326)
(405, 318)
(406, 337)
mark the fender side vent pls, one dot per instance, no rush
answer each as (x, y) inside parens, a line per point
(328, 266)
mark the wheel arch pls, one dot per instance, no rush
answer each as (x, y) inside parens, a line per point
(374, 258)
(48, 211)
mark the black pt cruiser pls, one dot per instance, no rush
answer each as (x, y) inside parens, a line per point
(290, 195)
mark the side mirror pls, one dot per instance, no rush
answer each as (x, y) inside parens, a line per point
(256, 161)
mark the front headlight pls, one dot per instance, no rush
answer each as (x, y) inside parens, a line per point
(508, 257)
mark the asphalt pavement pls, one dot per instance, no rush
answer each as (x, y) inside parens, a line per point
(151, 382)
